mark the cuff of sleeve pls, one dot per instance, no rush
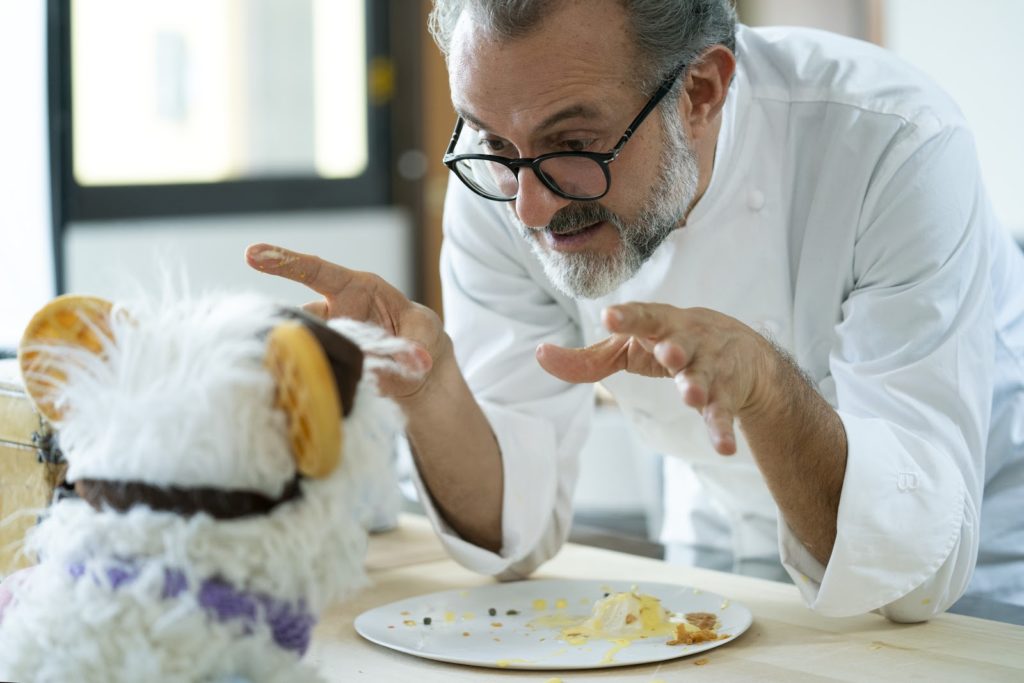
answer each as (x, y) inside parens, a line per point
(900, 516)
(527, 446)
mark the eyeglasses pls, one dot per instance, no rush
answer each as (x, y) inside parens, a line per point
(580, 176)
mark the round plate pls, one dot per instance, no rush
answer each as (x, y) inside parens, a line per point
(463, 631)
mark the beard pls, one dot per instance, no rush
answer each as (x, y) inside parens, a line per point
(588, 275)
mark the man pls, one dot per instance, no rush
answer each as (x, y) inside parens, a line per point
(791, 236)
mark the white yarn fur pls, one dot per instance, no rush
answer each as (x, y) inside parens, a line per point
(183, 399)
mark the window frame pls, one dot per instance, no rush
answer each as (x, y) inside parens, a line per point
(81, 204)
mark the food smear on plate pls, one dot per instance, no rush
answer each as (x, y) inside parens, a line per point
(618, 616)
(699, 627)
(506, 663)
(622, 618)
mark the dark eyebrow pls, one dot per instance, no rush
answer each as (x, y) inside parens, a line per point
(570, 112)
(477, 123)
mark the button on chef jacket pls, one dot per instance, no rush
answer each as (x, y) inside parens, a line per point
(846, 219)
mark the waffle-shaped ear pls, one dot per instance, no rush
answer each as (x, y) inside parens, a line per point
(69, 321)
(308, 395)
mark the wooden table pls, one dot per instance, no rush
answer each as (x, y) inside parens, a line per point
(786, 641)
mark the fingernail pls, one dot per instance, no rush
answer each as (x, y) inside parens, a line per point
(268, 256)
(416, 360)
(425, 361)
(613, 316)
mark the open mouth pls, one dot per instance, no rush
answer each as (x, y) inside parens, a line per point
(572, 235)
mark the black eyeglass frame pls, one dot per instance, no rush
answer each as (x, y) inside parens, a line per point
(603, 159)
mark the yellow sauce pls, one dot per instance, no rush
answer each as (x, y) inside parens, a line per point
(619, 644)
(506, 663)
(620, 618)
(558, 620)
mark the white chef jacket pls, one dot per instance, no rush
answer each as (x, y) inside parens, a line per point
(845, 218)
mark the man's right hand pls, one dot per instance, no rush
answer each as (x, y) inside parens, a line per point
(455, 451)
(365, 297)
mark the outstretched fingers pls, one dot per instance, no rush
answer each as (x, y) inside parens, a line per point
(720, 421)
(323, 277)
(318, 308)
(693, 346)
(694, 386)
(403, 372)
(640, 320)
(694, 380)
(590, 364)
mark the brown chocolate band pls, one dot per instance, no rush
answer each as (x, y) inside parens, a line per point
(218, 503)
(344, 356)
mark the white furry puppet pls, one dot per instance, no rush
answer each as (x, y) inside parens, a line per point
(220, 491)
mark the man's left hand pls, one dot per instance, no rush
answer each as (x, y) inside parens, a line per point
(719, 364)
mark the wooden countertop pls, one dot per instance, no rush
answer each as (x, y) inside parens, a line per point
(787, 641)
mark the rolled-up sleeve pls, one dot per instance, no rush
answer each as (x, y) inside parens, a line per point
(912, 367)
(497, 311)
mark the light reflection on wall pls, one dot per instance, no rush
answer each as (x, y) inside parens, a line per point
(208, 90)
(341, 132)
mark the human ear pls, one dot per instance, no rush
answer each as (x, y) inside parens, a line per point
(707, 82)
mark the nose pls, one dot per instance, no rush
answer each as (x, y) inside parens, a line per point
(536, 203)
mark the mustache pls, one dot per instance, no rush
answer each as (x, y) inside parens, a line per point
(579, 215)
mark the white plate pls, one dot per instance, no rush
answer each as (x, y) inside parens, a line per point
(462, 631)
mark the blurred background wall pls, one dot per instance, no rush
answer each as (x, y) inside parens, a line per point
(26, 254)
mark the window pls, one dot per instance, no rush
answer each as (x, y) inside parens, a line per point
(174, 107)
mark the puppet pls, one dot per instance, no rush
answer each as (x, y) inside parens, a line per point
(222, 453)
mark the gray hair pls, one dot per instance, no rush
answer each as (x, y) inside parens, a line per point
(667, 33)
